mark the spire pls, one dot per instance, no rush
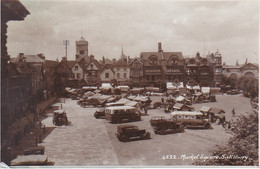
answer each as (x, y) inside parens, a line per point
(237, 64)
(122, 53)
(246, 61)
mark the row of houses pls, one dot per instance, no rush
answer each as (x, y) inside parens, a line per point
(150, 69)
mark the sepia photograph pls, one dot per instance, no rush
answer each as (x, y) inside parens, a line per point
(129, 83)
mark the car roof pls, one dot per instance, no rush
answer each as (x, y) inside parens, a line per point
(59, 111)
(187, 113)
(125, 126)
(120, 107)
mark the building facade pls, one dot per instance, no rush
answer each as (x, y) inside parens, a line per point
(162, 66)
(92, 72)
(136, 70)
(107, 73)
(237, 71)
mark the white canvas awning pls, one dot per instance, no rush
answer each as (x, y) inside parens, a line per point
(205, 90)
(106, 86)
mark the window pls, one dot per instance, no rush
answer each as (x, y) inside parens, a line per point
(78, 75)
(118, 75)
(153, 60)
(136, 64)
(91, 66)
(76, 68)
(81, 52)
(107, 75)
(124, 75)
(72, 76)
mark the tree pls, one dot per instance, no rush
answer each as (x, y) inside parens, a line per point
(244, 143)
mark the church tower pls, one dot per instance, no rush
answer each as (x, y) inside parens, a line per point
(218, 58)
(81, 49)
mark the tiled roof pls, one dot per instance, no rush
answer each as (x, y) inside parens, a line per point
(120, 62)
(71, 63)
(51, 63)
(107, 65)
(132, 60)
(161, 55)
(33, 59)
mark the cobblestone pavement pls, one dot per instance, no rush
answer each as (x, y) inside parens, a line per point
(84, 142)
(89, 141)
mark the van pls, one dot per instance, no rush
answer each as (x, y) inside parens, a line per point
(118, 114)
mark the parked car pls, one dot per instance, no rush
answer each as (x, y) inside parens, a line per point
(163, 126)
(191, 119)
(118, 114)
(131, 132)
(157, 104)
(100, 113)
(60, 118)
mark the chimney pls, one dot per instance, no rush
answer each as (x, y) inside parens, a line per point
(160, 47)
(41, 56)
(92, 57)
(20, 57)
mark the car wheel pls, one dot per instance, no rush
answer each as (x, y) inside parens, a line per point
(182, 128)
(148, 135)
(162, 132)
(207, 126)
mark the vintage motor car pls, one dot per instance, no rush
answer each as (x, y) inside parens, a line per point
(191, 119)
(164, 126)
(118, 114)
(130, 132)
(60, 118)
(100, 113)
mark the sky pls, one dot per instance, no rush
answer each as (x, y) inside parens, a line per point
(137, 26)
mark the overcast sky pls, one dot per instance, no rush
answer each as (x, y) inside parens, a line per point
(138, 26)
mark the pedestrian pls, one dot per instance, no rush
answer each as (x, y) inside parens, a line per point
(145, 110)
(233, 112)
(162, 100)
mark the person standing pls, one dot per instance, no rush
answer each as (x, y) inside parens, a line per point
(233, 112)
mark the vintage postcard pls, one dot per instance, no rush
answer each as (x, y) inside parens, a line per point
(143, 83)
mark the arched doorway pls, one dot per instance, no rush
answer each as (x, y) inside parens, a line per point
(249, 75)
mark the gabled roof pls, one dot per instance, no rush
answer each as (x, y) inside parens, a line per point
(71, 63)
(107, 66)
(135, 59)
(98, 65)
(33, 59)
(121, 62)
(244, 65)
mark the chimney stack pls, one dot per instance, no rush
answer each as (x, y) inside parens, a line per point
(160, 47)
(92, 57)
(41, 56)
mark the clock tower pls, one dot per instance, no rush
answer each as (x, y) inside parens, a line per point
(81, 49)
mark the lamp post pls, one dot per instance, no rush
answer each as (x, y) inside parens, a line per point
(66, 43)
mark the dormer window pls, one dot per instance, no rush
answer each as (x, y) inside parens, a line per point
(76, 68)
(153, 60)
(173, 60)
